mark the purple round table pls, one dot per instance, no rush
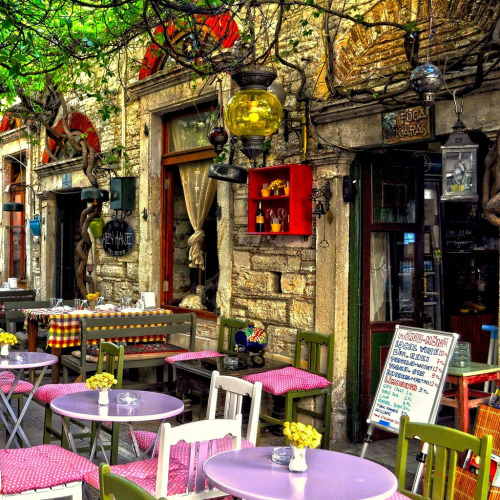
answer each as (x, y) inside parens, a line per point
(83, 406)
(250, 474)
(20, 361)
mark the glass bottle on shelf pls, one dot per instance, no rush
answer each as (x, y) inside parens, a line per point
(259, 219)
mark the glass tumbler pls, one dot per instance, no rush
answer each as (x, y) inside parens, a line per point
(461, 354)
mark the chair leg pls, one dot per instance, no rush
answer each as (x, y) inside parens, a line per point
(47, 424)
(328, 417)
(115, 431)
(288, 412)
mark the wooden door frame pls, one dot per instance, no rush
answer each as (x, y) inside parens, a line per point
(360, 355)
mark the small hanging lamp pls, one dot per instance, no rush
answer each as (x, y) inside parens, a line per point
(94, 194)
(13, 206)
(426, 79)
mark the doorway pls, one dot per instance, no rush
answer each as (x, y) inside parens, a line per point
(424, 263)
(69, 208)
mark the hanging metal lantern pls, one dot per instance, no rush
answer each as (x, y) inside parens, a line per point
(426, 80)
(13, 206)
(218, 138)
(227, 171)
(93, 195)
(253, 113)
(459, 165)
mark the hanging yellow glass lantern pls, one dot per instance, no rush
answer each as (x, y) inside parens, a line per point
(253, 113)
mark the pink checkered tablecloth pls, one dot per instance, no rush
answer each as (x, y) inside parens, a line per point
(64, 327)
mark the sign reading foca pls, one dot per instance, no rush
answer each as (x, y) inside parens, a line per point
(406, 125)
(118, 238)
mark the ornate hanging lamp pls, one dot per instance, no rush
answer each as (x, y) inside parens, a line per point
(426, 79)
(253, 113)
(459, 163)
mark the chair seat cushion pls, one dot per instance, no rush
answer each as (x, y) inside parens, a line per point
(47, 393)
(21, 386)
(6, 375)
(287, 379)
(144, 472)
(41, 466)
(146, 439)
(193, 355)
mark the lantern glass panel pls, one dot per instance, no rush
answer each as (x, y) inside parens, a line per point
(459, 174)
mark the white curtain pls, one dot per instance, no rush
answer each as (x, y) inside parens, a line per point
(199, 189)
(379, 258)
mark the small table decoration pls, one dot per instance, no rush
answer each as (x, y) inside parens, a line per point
(101, 382)
(6, 340)
(92, 297)
(301, 437)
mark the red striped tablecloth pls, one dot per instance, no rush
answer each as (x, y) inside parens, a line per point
(64, 327)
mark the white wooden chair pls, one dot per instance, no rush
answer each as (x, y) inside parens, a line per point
(235, 390)
(177, 473)
(42, 472)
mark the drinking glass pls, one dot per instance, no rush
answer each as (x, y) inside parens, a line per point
(59, 303)
(283, 217)
(269, 214)
(100, 301)
(125, 302)
(78, 303)
(52, 302)
(84, 304)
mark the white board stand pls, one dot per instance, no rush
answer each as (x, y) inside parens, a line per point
(411, 382)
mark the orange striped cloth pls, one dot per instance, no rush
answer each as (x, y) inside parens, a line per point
(64, 328)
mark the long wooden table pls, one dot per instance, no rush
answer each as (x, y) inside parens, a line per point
(193, 375)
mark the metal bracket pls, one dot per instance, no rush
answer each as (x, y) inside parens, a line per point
(218, 212)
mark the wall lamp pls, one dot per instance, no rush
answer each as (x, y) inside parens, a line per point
(320, 195)
(13, 206)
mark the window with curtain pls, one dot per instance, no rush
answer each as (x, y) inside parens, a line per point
(190, 262)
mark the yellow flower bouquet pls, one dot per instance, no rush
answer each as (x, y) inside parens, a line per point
(301, 435)
(277, 184)
(101, 381)
(7, 338)
(93, 296)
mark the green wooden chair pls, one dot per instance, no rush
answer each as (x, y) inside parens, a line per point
(227, 329)
(113, 363)
(298, 382)
(445, 447)
(115, 487)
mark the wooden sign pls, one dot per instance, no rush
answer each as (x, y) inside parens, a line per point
(413, 377)
(406, 125)
(118, 238)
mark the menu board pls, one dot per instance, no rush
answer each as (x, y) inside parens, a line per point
(413, 377)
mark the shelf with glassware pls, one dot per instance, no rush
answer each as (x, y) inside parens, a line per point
(283, 193)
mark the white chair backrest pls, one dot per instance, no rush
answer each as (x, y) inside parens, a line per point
(236, 389)
(198, 434)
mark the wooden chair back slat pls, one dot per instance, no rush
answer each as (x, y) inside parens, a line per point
(315, 344)
(228, 327)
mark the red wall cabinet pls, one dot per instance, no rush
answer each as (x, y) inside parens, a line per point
(294, 209)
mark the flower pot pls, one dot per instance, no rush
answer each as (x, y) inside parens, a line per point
(298, 461)
(287, 190)
(4, 350)
(276, 192)
(36, 225)
(275, 228)
(92, 305)
(265, 193)
(103, 398)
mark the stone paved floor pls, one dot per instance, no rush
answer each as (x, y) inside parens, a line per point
(383, 451)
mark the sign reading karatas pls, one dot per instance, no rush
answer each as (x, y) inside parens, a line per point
(407, 125)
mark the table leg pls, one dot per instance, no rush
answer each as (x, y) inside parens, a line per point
(56, 367)
(17, 422)
(463, 404)
(69, 436)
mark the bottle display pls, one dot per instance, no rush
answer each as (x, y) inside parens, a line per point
(259, 219)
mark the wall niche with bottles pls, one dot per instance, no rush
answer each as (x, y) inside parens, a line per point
(470, 264)
(279, 200)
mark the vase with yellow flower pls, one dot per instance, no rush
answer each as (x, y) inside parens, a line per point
(101, 382)
(6, 340)
(92, 297)
(276, 185)
(301, 437)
